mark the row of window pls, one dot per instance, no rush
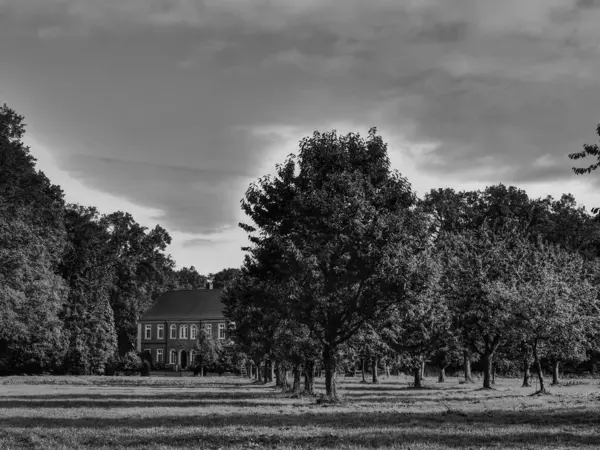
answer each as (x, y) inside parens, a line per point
(172, 356)
(183, 331)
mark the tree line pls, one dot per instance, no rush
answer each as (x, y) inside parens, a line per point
(73, 282)
(347, 267)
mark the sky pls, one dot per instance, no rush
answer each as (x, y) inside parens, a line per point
(169, 109)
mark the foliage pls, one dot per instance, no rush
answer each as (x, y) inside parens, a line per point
(32, 242)
(335, 224)
(130, 362)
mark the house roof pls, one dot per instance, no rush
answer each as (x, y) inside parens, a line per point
(201, 304)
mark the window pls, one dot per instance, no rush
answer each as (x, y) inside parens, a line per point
(160, 332)
(159, 355)
(208, 329)
(221, 331)
(183, 332)
(173, 357)
(173, 329)
(193, 332)
(148, 332)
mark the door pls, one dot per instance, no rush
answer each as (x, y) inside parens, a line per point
(184, 359)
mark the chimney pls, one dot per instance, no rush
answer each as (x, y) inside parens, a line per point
(209, 284)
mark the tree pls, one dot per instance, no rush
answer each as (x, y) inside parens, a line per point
(370, 348)
(343, 225)
(141, 270)
(32, 242)
(588, 150)
(190, 279)
(294, 346)
(206, 351)
(474, 262)
(248, 304)
(88, 269)
(223, 277)
(556, 306)
(419, 325)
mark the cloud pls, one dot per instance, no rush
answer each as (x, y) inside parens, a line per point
(190, 200)
(210, 94)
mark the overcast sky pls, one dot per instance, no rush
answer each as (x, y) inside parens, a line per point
(168, 109)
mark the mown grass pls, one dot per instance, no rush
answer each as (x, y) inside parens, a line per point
(229, 412)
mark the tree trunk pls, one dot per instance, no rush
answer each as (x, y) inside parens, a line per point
(362, 361)
(467, 367)
(538, 368)
(278, 381)
(418, 379)
(526, 372)
(555, 367)
(259, 373)
(374, 362)
(329, 362)
(266, 371)
(297, 370)
(284, 375)
(309, 376)
(442, 375)
(488, 360)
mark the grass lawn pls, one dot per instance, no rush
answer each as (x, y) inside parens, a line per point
(230, 412)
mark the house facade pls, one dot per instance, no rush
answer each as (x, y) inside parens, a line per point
(168, 331)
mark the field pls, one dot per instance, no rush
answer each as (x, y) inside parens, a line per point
(230, 412)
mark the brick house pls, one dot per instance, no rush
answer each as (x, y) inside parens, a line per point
(167, 332)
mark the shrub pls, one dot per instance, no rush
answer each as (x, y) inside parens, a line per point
(130, 363)
(145, 371)
(159, 366)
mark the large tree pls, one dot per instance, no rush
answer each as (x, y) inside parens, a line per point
(344, 227)
(141, 271)
(32, 242)
(89, 270)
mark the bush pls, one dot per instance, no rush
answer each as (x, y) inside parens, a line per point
(159, 366)
(145, 371)
(130, 363)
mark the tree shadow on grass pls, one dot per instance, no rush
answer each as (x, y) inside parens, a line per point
(329, 430)
(223, 397)
(145, 403)
(371, 439)
(318, 418)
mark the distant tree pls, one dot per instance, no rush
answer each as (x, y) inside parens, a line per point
(248, 304)
(189, 278)
(345, 230)
(475, 261)
(368, 345)
(206, 351)
(419, 326)
(223, 277)
(294, 346)
(141, 271)
(555, 305)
